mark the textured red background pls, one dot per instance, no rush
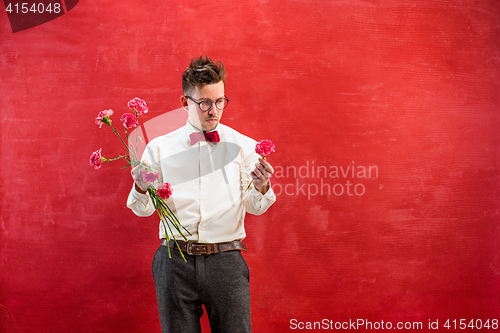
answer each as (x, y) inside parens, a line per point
(410, 87)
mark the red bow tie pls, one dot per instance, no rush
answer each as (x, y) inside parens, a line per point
(212, 137)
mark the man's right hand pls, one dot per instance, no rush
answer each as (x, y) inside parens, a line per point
(140, 185)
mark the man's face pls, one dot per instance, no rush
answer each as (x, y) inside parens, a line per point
(208, 120)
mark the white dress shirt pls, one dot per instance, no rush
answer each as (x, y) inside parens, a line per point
(208, 181)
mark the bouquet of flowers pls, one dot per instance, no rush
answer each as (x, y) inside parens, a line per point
(263, 148)
(158, 194)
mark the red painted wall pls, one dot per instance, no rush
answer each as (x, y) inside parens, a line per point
(408, 90)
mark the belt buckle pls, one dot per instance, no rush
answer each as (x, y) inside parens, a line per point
(189, 246)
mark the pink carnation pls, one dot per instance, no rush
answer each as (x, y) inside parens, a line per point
(129, 120)
(164, 191)
(95, 159)
(103, 117)
(139, 105)
(149, 177)
(264, 148)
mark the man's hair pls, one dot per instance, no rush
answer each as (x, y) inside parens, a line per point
(202, 71)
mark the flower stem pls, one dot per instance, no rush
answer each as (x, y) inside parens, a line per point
(118, 134)
(114, 159)
(161, 208)
(136, 130)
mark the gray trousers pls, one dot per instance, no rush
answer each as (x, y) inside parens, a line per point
(218, 281)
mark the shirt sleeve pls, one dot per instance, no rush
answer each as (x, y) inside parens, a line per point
(139, 203)
(255, 202)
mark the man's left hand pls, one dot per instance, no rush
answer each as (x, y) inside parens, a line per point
(263, 170)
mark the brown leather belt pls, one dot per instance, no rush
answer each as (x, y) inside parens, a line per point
(199, 248)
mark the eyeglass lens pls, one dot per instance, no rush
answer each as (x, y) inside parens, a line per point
(221, 103)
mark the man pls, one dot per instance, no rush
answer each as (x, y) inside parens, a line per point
(210, 167)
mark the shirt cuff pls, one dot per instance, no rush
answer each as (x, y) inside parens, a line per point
(259, 196)
(143, 198)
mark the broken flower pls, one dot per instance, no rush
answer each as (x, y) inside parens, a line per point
(96, 159)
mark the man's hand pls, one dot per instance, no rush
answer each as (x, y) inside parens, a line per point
(263, 170)
(140, 185)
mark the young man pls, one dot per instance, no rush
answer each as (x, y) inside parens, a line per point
(209, 166)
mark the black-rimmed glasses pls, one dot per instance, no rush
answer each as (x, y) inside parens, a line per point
(206, 104)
